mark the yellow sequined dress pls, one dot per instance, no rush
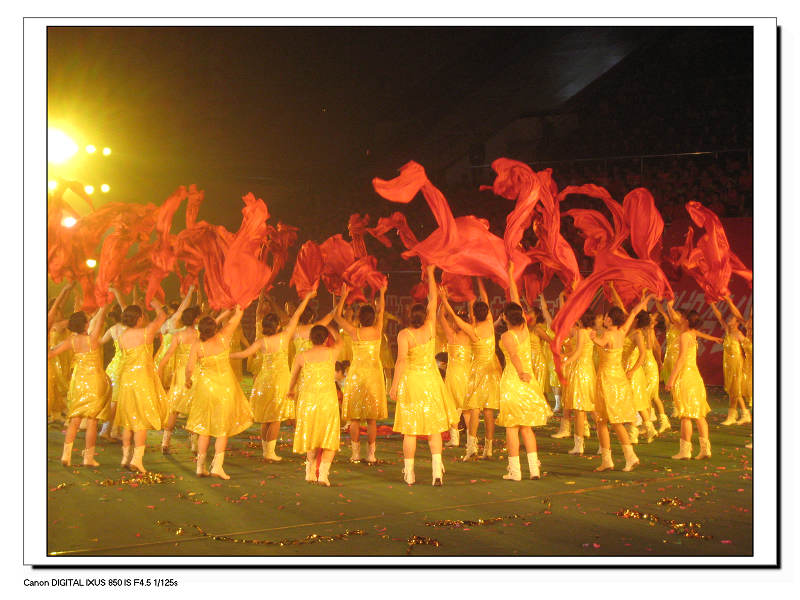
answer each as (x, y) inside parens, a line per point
(459, 361)
(538, 362)
(113, 370)
(483, 390)
(269, 397)
(56, 382)
(218, 406)
(630, 354)
(89, 389)
(387, 359)
(732, 366)
(688, 390)
(613, 399)
(673, 345)
(582, 380)
(317, 407)
(165, 374)
(424, 404)
(235, 346)
(254, 360)
(651, 374)
(141, 400)
(747, 379)
(346, 351)
(364, 392)
(552, 376)
(179, 396)
(521, 404)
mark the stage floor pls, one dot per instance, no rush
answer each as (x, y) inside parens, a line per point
(675, 508)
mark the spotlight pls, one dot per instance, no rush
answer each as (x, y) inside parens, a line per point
(69, 221)
(89, 189)
(90, 149)
(60, 147)
(51, 185)
(106, 151)
(104, 188)
(91, 263)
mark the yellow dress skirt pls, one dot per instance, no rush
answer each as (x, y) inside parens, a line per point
(364, 391)
(673, 346)
(641, 399)
(165, 374)
(317, 409)
(688, 390)
(521, 404)
(538, 362)
(113, 370)
(141, 400)
(89, 391)
(459, 361)
(582, 381)
(235, 346)
(269, 397)
(387, 358)
(732, 367)
(254, 360)
(218, 407)
(346, 351)
(613, 399)
(424, 404)
(179, 396)
(553, 382)
(747, 375)
(483, 390)
(57, 382)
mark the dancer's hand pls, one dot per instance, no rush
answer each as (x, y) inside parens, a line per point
(393, 393)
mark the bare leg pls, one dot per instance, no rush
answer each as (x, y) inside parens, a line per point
(91, 432)
(512, 441)
(72, 430)
(355, 430)
(488, 418)
(264, 427)
(272, 430)
(409, 450)
(474, 420)
(686, 429)
(622, 435)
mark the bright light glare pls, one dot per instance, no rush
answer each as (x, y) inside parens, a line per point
(89, 189)
(105, 187)
(90, 149)
(52, 185)
(60, 147)
(106, 151)
(91, 263)
(69, 221)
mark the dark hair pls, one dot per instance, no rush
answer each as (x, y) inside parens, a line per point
(114, 315)
(417, 315)
(481, 310)
(587, 319)
(462, 314)
(174, 305)
(131, 315)
(309, 315)
(693, 318)
(340, 366)
(319, 334)
(514, 314)
(366, 316)
(642, 319)
(207, 327)
(537, 313)
(190, 315)
(269, 324)
(616, 315)
(77, 322)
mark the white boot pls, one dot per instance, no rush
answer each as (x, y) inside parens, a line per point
(127, 454)
(324, 469)
(105, 431)
(269, 450)
(665, 425)
(607, 463)
(631, 460)
(165, 438)
(746, 418)
(201, 470)
(705, 449)
(472, 447)
(136, 463)
(454, 437)
(355, 449)
(652, 414)
(638, 419)
(557, 396)
(66, 455)
(564, 430)
(88, 458)
(371, 459)
(216, 466)
(437, 469)
(633, 433)
(514, 472)
(651, 432)
(731, 420)
(685, 451)
(408, 471)
(676, 413)
(533, 465)
(193, 442)
(487, 448)
(578, 447)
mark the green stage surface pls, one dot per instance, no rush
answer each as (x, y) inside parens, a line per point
(571, 511)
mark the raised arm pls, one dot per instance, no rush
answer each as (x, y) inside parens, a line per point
(718, 315)
(617, 299)
(96, 324)
(482, 291)
(432, 294)
(117, 297)
(55, 310)
(460, 323)
(548, 318)
(381, 306)
(733, 308)
(182, 307)
(337, 313)
(513, 291)
(292, 324)
(153, 326)
(449, 332)
(626, 327)
(223, 316)
(673, 316)
(233, 322)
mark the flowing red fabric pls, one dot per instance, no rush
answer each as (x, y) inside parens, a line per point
(203, 247)
(419, 293)
(643, 220)
(459, 287)
(364, 273)
(337, 256)
(397, 221)
(307, 268)
(356, 228)
(163, 255)
(279, 240)
(462, 246)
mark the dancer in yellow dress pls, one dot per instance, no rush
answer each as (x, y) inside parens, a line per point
(364, 390)
(689, 391)
(613, 400)
(522, 404)
(269, 398)
(538, 340)
(459, 361)
(652, 369)
(57, 367)
(89, 388)
(581, 388)
(732, 365)
(423, 403)
(553, 386)
(483, 390)
(141, 400)
(634, 352)
(670, 347)
(747, 349)
(113, 330)
(313, 384)
(168, 329)
(179, 396)
(218, 406)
